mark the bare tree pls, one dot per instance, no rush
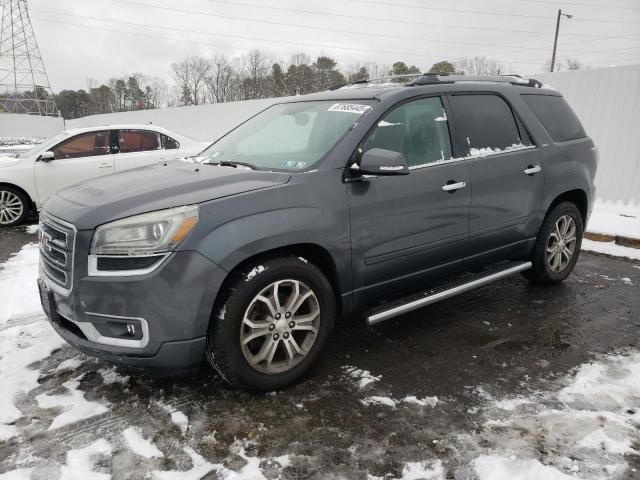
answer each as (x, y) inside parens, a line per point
(254, 72)
(191, 75)
(222, 82)
(574, 64)
(479, 66)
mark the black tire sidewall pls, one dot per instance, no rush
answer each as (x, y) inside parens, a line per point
(225, 332)
(25, 206)
(541, 270)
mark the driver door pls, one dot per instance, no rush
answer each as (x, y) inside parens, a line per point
(407, 229)
(77, 159)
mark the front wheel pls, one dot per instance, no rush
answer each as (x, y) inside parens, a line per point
(558, 245)
(271, 324)
(14, 206)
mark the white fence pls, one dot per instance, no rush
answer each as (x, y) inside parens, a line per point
(607, 100)
(17, 125)
(202, 122)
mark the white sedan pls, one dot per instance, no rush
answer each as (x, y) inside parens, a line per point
(74, 156)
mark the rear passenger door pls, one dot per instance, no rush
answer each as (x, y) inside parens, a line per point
(407, 229)
(506, 176)
(138, 148)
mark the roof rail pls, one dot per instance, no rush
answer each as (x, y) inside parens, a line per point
(431, 78)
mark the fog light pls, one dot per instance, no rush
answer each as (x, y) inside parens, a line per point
(131, 329)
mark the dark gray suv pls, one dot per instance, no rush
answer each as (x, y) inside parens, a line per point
(360, 201)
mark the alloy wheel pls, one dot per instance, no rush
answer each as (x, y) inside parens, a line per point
(561, 244)
(280, 326)
(11, 207)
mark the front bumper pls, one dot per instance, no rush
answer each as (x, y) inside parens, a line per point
(169, 308)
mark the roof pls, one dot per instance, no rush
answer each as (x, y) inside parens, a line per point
(140, 126)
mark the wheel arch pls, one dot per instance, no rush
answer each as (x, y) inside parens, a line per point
(307, 252)
(577, 197)
(32, 203)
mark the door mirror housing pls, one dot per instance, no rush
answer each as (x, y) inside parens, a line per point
(379, 161)
(47, 156)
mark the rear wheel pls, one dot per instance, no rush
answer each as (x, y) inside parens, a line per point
(14, 206)
(558, 245)
(271, 324)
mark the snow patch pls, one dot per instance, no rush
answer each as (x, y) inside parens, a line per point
(610, 248)
(111, 376)
(32, 229)
(177, 417)
(495, 467)
(611, 220)
(81, 463)
(75, 406)
(362, 378)
(140, 446)
(422, 402)
(200, 467)
(19, 295)
(69, 365)
(255, 271)
(377, 400)
(511, 404)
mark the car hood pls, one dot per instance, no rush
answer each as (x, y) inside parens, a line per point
(172, 184)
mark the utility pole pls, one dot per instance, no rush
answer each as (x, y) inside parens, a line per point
(555, 40)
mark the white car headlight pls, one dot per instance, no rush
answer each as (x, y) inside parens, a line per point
(146, 234)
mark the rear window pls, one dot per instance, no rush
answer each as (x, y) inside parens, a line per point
(485, 121)
(556, 116)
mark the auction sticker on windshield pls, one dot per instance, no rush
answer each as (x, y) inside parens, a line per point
(349, 108)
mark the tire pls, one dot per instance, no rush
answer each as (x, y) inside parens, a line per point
(250, 297)
(14, 206)
(549, 268)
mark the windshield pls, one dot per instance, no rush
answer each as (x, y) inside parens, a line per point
(44, 146)
(291, 136)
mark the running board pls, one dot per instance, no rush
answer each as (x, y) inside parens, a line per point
(415, 302)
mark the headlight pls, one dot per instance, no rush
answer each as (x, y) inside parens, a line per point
(146, 234)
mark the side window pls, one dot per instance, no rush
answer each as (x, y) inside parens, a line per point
(417, 129)
(138, 141)
(556, 116)
(84, 145)
(484, 122)
(169, 143)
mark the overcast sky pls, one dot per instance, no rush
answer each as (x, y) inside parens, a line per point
(101, 39)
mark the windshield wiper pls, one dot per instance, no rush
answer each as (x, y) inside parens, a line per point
(233, 163)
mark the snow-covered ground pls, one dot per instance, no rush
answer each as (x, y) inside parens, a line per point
(614, 220)
(581, 425)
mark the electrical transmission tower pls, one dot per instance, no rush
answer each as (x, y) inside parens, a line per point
(24, 85)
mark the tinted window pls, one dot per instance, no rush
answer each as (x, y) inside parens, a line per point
(484, 121)
(416, 129)
(169, 143)
(84, 145)
(556, 116)
(138, 141)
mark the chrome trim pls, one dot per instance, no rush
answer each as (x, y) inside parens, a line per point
(459, 159)
(93, 335)
(52, 282)
(429, 299)
(94, 272)
(452, 187)
(534, 169)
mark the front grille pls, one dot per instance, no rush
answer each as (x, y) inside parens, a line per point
(57, 240)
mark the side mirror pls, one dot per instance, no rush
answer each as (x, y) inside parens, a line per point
(47, 156)
(379, 161)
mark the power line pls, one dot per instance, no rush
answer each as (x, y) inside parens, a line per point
(555, 3)
(190, 30)
(455, 10)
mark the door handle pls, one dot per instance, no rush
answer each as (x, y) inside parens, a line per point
(105, 165)
(452, 186)
(532, 169)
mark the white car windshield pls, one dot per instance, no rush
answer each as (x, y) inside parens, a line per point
(44, 146)
(289, 137)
